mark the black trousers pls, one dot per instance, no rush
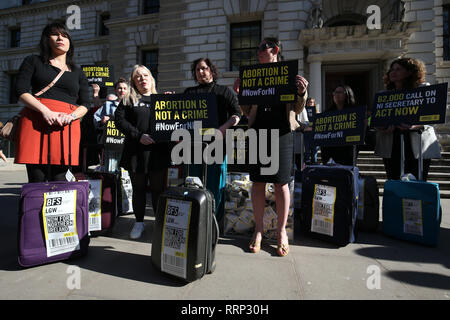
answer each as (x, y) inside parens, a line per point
(39, 173)
(392, 164)
(157, 182)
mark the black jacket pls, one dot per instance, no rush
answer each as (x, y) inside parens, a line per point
(133, 122)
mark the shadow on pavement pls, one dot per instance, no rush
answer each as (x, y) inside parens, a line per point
(422, 279)
(132, 266)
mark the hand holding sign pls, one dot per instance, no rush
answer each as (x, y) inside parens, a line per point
(301, 83)
(146, 139)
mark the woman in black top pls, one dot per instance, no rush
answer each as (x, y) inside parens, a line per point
(229, 113)
(343, 97)
(279, 118)
(141, 156)
(65, 102)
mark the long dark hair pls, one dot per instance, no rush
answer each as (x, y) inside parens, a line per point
(209, 63)
(349, 97)
(44, 47)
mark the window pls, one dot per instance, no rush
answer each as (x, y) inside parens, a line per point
(245, 38)
(103, 30)
(14, 38)
(446, 34)
(150, 60)
(150, 6)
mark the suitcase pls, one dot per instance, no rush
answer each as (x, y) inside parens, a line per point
(411, 209)
(329, 203)
(186, 232)
(102, 221)
(53, 221)
(103, 213)
(368, 204)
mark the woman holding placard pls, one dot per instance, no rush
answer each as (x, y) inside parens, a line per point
(59, 96)
(282, 119)
(205, 74)
(142, 157)
(406, 74)
(343, 97)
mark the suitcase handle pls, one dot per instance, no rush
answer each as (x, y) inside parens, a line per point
(49, 131)
(402, 153)
(204, 168)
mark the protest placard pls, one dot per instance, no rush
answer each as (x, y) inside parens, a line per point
(170, 112)
(268, 84)
(113, 139)
(422, 105)
(99, 74)
(340, 127)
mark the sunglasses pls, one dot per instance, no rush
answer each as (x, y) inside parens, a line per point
(266, 45)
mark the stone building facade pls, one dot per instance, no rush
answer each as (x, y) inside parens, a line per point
(329, 38)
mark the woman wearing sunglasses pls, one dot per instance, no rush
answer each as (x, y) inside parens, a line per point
(282, 118)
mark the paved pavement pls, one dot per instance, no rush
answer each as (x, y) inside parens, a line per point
(119, 268)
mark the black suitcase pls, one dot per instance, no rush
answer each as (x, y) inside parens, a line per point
(368, 204)
(329, 203)
(186, 232)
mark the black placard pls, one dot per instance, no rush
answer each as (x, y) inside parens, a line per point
(170, 112)
(423, 105)
(99, 74)
(113, 139)
(337, 128)
(268, 84)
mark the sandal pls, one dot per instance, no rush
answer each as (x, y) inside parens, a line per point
(255, 246)
(283, 249)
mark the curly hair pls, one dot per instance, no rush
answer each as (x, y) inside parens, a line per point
(209, 63)
(417, 77)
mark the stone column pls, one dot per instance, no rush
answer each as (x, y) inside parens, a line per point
(315, 82)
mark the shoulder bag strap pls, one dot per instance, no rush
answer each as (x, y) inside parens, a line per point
(51, 84)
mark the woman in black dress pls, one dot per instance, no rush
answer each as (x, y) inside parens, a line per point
(280, 118)
(142, 157)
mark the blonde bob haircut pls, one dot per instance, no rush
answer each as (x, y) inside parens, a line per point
(133, 95)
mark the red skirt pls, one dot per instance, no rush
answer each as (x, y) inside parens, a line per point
(32, 137)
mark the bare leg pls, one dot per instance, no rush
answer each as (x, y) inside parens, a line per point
(282, 203)
(258, 201)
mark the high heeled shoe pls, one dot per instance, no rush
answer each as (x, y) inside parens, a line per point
(283, 249)
(255, 246)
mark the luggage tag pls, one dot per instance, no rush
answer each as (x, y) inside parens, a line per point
(69, 176)
(59, 220)
(324, 199)
(175, 237)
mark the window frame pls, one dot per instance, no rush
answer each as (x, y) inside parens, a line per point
(446, 32)
(152, 67)
(150, 9)
(250, 24)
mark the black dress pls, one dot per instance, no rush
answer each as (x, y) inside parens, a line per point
(133, 122)
(274, 118)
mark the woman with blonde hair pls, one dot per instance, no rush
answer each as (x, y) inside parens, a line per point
(142, 157)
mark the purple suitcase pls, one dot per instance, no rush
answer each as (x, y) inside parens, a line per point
(31, 235)
(60, 219)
